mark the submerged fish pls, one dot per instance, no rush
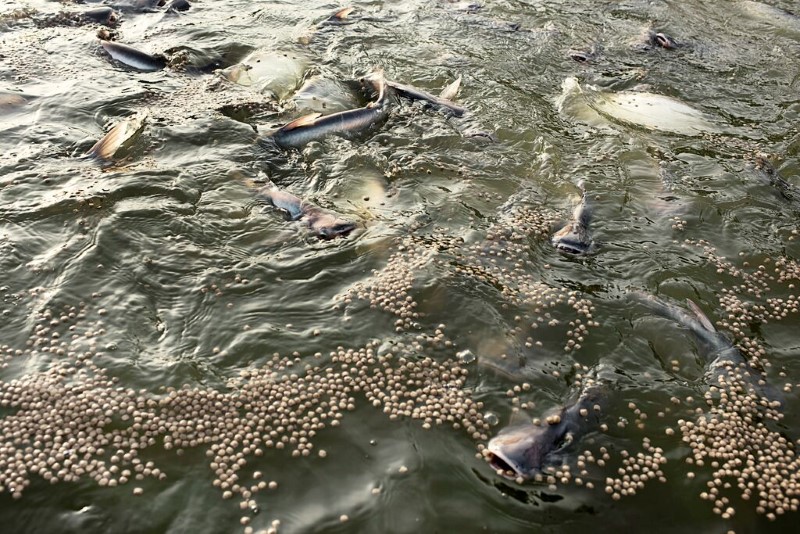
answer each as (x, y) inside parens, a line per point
(636, 108)
(118, 136)
(523, 450)
(441, 101)
(316, 126)
(268, 71)
(722, 358)
(319, 94)
(134, 58)
(768, 171)
(322, 223)
(574, 238)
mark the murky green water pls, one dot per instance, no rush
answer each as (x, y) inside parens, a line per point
(194, 280)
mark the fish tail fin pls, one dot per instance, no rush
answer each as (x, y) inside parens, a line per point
(450, 92)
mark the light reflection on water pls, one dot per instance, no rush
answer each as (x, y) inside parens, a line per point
(199, 281)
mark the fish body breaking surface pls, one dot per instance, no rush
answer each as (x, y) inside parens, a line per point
(322, 223)
(443, 101)
(121, 134)
(724, 362)
(134, 58)
(524, 450)
(637, 108)
(315, 126)
(574, 238)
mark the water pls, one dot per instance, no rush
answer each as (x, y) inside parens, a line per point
(195, 280)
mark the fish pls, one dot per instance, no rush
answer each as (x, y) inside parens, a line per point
(138, 6)
(441, 101)
(770, 174)
(11, 101)
(585, 55)
(121, 134)
(102, 15)
(659, 40)
(316, 126)
(524, 450)
(722, 358)
(322, 223)
(574, 238)
(178, 5)
(340, 17)
(134, 58)
(267, 71)
(320, 94)
(635, 108)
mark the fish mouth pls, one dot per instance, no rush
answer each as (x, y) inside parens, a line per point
(664, 41)
(336, 230)
(571, 248)
(505, 466)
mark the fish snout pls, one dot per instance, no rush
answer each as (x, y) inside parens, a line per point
(664, 41)
(571, 240)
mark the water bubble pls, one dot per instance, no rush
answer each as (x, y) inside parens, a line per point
(466, 356)
(491, 418)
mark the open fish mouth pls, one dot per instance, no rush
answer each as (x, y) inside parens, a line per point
(337, 230)
(504, 466)
(572, 248)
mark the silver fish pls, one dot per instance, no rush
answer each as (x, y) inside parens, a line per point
(316, 126)
(574, 238)
(441, 101)
(523, 450)
(723, 359)
(322, 223)
(122, 133)
(134, 58)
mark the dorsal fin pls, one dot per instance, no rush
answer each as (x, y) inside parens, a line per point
(306, 120)
(704, 320)
(342, 13)
(450, 92)
(117, 136)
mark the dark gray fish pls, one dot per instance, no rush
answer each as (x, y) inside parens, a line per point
(322, 223)
(574, 238)
(138, 6)
(722, 358)
(660, 40)
(770, 174)
(178, 5)
(441, 101)
(316, 126)
(134, 58)
(102, 15)
(523, 450)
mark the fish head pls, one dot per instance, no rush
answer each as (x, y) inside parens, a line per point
(523, 450)
(573, 239)
(664, 41)
(326, 225)
(375, 82)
